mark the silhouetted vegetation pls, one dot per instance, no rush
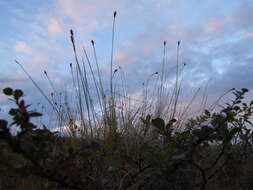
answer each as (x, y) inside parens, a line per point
(214, 151)
(153, 146)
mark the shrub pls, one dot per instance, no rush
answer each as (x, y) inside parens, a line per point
(192, 158)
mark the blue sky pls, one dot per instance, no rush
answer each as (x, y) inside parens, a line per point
(216, 40)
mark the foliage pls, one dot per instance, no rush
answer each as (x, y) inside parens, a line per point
(160, 157)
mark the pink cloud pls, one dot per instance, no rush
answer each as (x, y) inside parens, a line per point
(214, 26)
(120, 56)
(23, 47)
(248, 34)
(53, 26)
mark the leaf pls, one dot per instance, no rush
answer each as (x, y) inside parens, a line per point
(236, 108)
(8, 91)
(13, 111)
(158, 123)
(234, 131)
(35, 114)
(245, 90)
(207, 113)
(18, 93)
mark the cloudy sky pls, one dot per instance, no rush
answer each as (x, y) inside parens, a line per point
(216, 41)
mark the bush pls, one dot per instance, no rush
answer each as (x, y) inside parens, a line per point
(204, 155)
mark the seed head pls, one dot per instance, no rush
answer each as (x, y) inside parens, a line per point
(72, 36)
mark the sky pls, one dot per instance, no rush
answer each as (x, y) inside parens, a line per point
(216, 42)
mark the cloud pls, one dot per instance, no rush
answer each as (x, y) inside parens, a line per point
(11, 79)
(214, 26)
(23, 47)
(53, 26)
(208, 49)
(214, 45)
(238, 19)
(248, 35)
(242, 16)
(87, 16)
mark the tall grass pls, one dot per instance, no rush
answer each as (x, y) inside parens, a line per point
(87, 109)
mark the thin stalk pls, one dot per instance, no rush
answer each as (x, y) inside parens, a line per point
(112, 49)
(78, 80)
(186, 110)
(93, 77)
(162, 80)
(212, 107)
(37, 86)
(177, 77)
(87, 96)
(98, 72)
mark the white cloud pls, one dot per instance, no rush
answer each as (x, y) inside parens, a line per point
(89, 8)
(23, 47)
(89, 15)
(53, 26)
(38, 63)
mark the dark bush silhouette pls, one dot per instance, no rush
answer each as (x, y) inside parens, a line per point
(209, 153)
